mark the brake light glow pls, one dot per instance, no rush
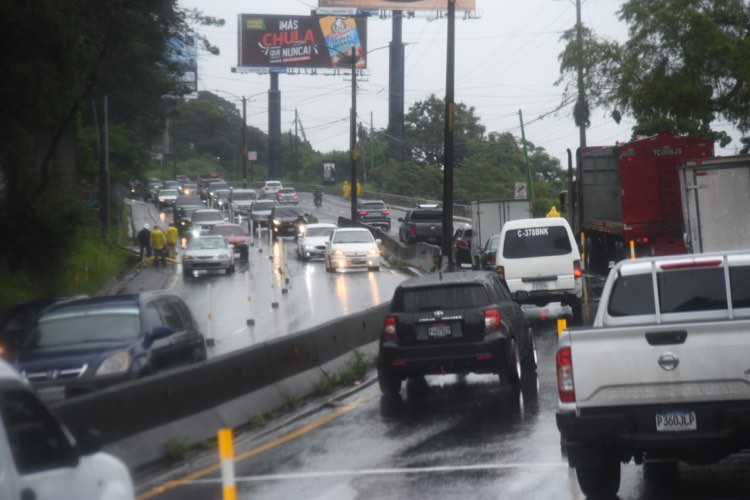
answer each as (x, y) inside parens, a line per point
(689, 265)
(363, 212)
(462, 243)
(491, 320)
(413, 229)
(500, 270)
(386, 212)
(565, 388)
(389, 329)
(577, 269)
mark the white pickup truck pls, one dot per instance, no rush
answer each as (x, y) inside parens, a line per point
(664, 372)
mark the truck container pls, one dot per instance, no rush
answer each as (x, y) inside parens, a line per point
(716, 203)
(488, 217)
(630, 193)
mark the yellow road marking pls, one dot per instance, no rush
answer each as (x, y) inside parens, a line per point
(157, 490)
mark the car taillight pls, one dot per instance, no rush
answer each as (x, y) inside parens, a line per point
(500, 270)
(463, 243)
(389, 329)
(565, 387)
(413, 229)
(363, 212)
(491, 320)
(577, 269)
(386, 212)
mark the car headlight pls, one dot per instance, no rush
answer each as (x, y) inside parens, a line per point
(186, 257)
(223, 256)
(338, 253)
(196, 232)
(118, 362)
(276, 222)
(301, 228)
(373, 251)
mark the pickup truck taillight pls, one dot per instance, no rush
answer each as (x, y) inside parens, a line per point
(577, 269)
(565, 376)
(491, 320)
(386, 212)
(389, 329)
(462, 243)
(413, 229)
(363, 212)
(500, 270)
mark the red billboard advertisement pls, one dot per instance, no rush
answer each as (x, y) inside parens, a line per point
(320, 41)
(398, 4)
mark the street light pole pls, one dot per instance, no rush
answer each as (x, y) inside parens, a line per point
(353, 139)
(244, 141)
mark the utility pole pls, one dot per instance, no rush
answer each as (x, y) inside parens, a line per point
(581, 105)
(530, 186)
(244, 141)
(296, 144)
(353, 139)
(449, 127)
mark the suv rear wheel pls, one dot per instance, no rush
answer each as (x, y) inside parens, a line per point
(601, 481)
(390, 384)
(511, 372)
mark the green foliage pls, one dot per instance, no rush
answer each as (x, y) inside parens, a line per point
(684, 66)
(177, 449)
(355, 369)
(326, 384)
(257, 420)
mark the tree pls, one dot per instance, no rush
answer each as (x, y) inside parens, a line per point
(685, 65)
(424, 124)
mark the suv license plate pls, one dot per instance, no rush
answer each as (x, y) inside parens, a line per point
(540, 285)
(676, 421)
(439, 331)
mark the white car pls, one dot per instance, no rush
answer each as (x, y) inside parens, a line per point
(352, 247)
(311, 242)
(40, 459)
(166, 197)
(208, 253)
(202, 220)
(270, 188)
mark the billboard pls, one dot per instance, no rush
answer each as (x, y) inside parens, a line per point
(320, 41)
(183, 51)
(398, 4)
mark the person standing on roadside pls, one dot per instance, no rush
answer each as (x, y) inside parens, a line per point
(159, 246)
(172, 236)
(144, 241)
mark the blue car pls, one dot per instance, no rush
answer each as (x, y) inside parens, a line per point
(83, 345)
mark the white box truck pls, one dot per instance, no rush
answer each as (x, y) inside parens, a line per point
(488, 217)
(716, 203)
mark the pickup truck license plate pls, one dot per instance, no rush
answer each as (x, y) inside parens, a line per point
(439, 331)
(676, 421)
(539, 285)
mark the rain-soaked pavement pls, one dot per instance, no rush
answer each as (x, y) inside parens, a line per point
(444, 437)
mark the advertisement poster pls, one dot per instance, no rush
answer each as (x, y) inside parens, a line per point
(461, 5)
(270, 41)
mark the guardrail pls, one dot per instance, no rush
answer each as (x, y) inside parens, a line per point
(137, 419)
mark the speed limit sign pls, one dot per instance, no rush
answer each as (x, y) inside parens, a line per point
(520, 190)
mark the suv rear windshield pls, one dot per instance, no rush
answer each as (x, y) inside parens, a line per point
(427, 215)
(536, 242)
(208, 215)
(443, 297)
(377, 205)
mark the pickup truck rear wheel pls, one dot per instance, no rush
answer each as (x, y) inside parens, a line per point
(602, 481)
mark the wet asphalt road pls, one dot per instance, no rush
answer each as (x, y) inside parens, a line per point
(445, 438)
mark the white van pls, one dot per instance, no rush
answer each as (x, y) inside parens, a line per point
(541, 257)
(40, 459)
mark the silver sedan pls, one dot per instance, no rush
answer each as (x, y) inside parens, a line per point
(207, 253)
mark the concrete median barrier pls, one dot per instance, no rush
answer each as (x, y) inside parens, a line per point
(137, 419)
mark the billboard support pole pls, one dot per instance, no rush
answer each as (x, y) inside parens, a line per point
(244, 141)
(449, 126)
(353, 139)
(274, 128)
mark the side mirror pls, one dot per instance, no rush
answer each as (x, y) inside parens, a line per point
(521, 296)
(159, 332)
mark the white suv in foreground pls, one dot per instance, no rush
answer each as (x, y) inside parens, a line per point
(40, 459)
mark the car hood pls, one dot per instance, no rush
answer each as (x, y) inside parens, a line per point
(205, 253)
(353, 247)
(47, 358)
(315, 240)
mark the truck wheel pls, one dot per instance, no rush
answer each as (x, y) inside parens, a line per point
(511, 372)
(601, 481)
(390, 385)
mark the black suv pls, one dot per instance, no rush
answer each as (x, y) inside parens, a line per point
(457, 322)
(374, 213)
(79, 346)
(286, 221)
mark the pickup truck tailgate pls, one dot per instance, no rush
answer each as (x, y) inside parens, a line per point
(679, 362)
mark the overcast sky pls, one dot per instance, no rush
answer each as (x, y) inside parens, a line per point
(506, 61)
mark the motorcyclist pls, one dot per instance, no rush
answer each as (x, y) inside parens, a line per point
(318, 197)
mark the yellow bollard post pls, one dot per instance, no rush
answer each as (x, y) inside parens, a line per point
(250, 320)
(562, 324)
(274, 300)
(632, 249)
(226, 456)
(584, 260)
(210, 342)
